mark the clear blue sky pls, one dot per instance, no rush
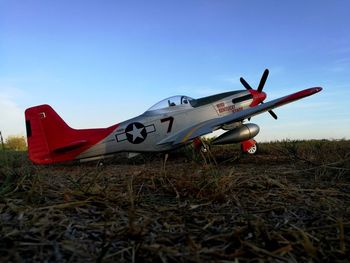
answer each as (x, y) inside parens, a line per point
(101, 62)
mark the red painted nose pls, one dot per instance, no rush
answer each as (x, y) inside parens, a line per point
(262, 96)
(257, 97)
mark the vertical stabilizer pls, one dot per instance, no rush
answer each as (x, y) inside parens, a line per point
(51, 140)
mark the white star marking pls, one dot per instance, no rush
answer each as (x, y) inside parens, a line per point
(136, 133)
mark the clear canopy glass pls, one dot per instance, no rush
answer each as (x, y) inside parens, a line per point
(172, 103)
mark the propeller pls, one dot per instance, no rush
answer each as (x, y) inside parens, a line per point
(273, 114)
(260, 88)
(245, 84)
(263, 80)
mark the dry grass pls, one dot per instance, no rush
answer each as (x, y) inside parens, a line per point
(291, 203)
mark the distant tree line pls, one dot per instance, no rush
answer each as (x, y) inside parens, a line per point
(13, 143)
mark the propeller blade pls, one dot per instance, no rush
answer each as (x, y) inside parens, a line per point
(245, 84)
(263, 80)
(273, 114)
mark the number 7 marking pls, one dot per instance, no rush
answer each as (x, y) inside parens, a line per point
(170, 120)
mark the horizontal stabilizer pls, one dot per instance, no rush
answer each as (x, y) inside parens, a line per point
(70, 147)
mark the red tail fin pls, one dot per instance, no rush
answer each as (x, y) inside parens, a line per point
(51, 140)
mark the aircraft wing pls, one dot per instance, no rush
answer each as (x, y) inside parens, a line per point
(208, 126)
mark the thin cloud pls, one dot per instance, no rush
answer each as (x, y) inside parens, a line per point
(198, 91)
(314, 105)
(234, 80)
(11, 117)
(339, 65)
(341, 50)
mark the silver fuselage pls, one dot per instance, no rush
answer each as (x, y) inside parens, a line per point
(142, 133)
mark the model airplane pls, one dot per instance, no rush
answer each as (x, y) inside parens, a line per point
(169, 124)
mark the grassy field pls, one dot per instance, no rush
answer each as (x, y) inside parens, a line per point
(290, 203)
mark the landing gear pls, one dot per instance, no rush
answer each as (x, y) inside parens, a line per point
(100, 163)
(249, 147)
(204, 150)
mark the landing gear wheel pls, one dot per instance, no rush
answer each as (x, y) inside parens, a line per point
(205, 148)
(100, 163)
(253, 150)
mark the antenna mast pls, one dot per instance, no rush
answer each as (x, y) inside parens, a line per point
(2, 141)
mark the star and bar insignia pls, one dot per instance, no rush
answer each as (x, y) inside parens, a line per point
(135, 133)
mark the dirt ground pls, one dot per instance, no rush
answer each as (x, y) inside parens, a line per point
(290, 203)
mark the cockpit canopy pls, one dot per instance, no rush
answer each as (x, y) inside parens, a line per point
(175, 102)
